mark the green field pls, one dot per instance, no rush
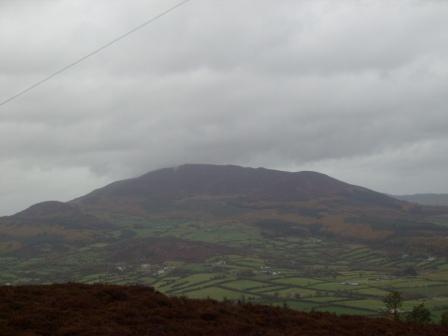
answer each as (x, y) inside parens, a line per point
(302, 273)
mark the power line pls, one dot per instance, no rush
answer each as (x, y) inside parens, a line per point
(94, 52)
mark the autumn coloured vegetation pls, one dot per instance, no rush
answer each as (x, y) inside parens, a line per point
(267, 237)
(106, 310)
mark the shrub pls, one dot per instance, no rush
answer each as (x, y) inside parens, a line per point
(444, 319)
(419, 314)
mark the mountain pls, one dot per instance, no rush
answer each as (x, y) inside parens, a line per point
(426, 199)
(311, 201)
(100, 310)
(277, 202)
(235, 233)
(230, 192)
(194, 181)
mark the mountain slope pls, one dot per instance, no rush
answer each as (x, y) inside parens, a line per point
(56, 213)
(50, 226)
(100, 310)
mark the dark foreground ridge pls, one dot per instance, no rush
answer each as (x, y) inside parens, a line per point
(105, 310)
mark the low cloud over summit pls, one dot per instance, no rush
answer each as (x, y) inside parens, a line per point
(354, 89)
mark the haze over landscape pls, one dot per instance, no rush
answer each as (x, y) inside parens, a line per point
(223, 168)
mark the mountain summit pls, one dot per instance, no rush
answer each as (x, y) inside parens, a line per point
(248, 184)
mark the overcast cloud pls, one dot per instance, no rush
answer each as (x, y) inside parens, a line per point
(355, 89)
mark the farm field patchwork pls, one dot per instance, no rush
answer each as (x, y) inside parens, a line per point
(302, 273)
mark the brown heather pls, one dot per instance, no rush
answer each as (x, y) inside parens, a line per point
(105, 310)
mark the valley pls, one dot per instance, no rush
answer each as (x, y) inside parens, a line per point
(307, 274)
(301, 240)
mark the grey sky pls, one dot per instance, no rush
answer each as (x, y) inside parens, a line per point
(355, 89)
